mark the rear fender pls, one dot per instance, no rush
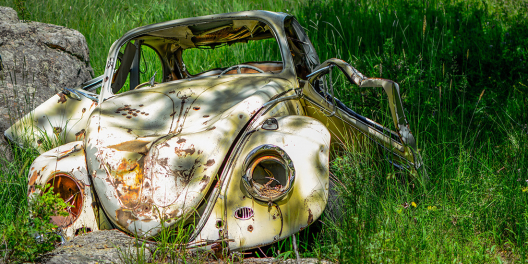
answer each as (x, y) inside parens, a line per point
(59, 120)
(64, 168)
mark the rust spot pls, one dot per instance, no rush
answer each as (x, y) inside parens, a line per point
(240, 116)
(137, 111)
(211, 128)
(93, 104)
(128, 117)
(124, 114)
(106, 79)
(205, 180)
(210, 163)
(129, 131)
(137, 146)
(196, 108)
(124, 215)
(310, 216)
(250, 228)
(141, 105)
(217, 249)
(181, 140)
(206, 116)
(57, 130)
(80, 134)
(62, 98)
(184, 152)
(146, 114)
(39, 141)
(33, 178)
(84, 110)
(171, 92)
(127, 181)
(134, 114)
(142, 113)
(31, 189)
(143, 209)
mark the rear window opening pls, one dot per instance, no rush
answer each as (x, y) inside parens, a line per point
(205, 49)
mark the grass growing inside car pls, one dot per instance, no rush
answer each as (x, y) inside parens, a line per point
(461, 66)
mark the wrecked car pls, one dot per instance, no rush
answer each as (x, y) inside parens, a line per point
(236, 148)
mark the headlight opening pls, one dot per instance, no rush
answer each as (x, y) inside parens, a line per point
(69, 191)
(269, 173)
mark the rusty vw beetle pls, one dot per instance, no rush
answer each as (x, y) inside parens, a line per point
(236, 148)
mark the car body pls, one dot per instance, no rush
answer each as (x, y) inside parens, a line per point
(239, 154)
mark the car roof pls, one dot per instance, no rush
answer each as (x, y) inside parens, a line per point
(273, 18)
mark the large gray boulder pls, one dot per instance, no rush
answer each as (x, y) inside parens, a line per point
(37, 60)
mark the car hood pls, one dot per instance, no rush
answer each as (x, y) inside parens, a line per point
(154, 152)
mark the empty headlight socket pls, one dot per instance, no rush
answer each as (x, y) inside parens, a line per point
(269, 173)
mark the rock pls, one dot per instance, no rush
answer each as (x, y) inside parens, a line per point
(8, 14)
(36, 61)
(112, 246)
(108, 246)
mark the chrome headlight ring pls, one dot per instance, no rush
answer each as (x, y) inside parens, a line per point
(269, 173)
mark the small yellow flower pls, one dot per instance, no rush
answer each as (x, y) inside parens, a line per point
(525, 189)
(413, 204)
(431, 208)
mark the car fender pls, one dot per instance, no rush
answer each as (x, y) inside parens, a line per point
(307, 142)
(59, 120)
(64, 167)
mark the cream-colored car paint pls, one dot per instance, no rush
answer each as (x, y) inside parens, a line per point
(59, 120)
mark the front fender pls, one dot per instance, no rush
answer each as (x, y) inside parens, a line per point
(306, 141)
(64, 168)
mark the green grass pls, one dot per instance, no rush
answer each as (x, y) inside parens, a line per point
(461, 66)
